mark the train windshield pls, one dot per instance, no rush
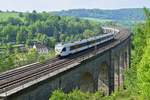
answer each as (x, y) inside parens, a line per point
(64, 49)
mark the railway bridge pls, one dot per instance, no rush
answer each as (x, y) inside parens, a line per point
(99, 68)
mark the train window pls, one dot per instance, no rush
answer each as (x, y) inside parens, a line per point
(102, 38)
(99, 40)
(78, 46)
(91, 42)
(74, 47)
(83, 44)
(64, 49)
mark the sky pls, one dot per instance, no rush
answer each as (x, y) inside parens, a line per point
(57, 5)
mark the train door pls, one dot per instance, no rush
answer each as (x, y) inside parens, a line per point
(67, 50)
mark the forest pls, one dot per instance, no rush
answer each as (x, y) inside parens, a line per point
(43, 27)
(17, 28)
(137, 80)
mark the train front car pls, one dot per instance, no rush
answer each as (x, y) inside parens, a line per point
(61, 50)
(58, 49)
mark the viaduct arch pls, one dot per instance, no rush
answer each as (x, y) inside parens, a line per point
(103, 78)
(87, 82)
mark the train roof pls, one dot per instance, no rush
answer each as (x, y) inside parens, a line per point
(84, 40)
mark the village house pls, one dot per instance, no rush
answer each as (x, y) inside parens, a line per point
(40, 48)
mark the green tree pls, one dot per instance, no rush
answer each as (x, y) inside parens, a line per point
(144, 72)
(52, 41)
(19, 38)
(88, 33)
(32, 55)
(138, 75)
(29, 39)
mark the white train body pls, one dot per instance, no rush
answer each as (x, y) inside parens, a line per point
(71, 48)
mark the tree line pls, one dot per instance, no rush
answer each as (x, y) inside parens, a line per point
(46, 28)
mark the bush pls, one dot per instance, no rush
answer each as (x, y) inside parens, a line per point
(76, 95)
(58, 95)
(42, 59)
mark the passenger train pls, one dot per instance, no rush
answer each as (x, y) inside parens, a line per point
(71, 48)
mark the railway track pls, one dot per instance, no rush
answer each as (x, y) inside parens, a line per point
(22, 70)
(28, 76)
(34, 75)
(24, 75)
(9, 79)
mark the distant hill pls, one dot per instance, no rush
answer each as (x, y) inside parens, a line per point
(135, 14)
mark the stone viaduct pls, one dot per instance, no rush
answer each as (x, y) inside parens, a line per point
(103, 71)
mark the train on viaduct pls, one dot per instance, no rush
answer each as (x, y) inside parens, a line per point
(95, 69)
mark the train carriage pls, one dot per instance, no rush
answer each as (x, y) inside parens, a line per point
(71, 48)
